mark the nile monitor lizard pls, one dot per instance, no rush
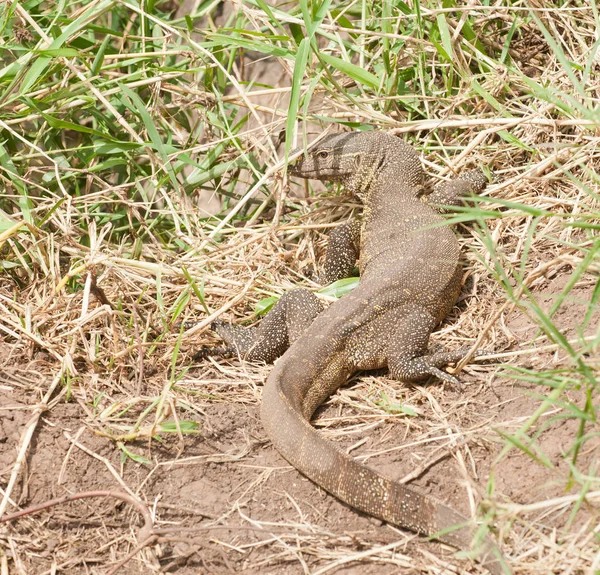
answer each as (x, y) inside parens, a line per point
(410, 279)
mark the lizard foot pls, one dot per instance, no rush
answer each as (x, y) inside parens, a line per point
(407, 368)
(206, 351)
(441, 358)
(232, 335)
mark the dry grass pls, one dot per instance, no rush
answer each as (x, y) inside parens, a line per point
(112, 248)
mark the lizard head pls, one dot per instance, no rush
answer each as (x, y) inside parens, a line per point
(357, 160)
(333, 158)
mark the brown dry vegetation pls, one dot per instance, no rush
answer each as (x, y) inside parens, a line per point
(107, 255)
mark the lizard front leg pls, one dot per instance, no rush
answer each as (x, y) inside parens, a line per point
(343, 249)
(453, 193)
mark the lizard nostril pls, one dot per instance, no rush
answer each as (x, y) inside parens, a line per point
(294, 166)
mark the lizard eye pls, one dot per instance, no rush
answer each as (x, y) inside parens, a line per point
(323, 154)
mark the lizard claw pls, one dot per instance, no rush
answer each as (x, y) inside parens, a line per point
(444, 376)
(483, 353)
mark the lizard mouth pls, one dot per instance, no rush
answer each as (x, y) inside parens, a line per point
(294, 167)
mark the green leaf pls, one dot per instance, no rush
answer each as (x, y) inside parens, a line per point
(6, 223)
(299, 70)
(199, 177)
(219, 40)
(297, 32)
(339, 288)
(267, 10)
(198, 289)
(131, 455)
(264, 305)
(104, 148)
(515, 441)
(65, 125)
(184, 426)
(352, 70)
(561, 56)
(313, 18)
(441, 50)
(390, 407)
(99, 59)
(445, 35)
(138, 107)
(508, 137)
(489, 98)
(25, 203)
(34, 74)
(58, 52)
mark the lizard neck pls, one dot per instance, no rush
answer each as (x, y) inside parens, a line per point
(394, 225)
(384, 181)
(391, 194)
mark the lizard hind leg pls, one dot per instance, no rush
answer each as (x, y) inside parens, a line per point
(282, 325)
(407, 356)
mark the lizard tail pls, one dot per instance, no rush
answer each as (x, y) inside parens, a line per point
(361, 487)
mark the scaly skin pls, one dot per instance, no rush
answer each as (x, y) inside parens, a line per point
(410, 279)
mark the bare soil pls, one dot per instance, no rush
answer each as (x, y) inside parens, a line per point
(229, 503)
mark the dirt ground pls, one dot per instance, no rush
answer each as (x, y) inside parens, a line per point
(228, 502)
